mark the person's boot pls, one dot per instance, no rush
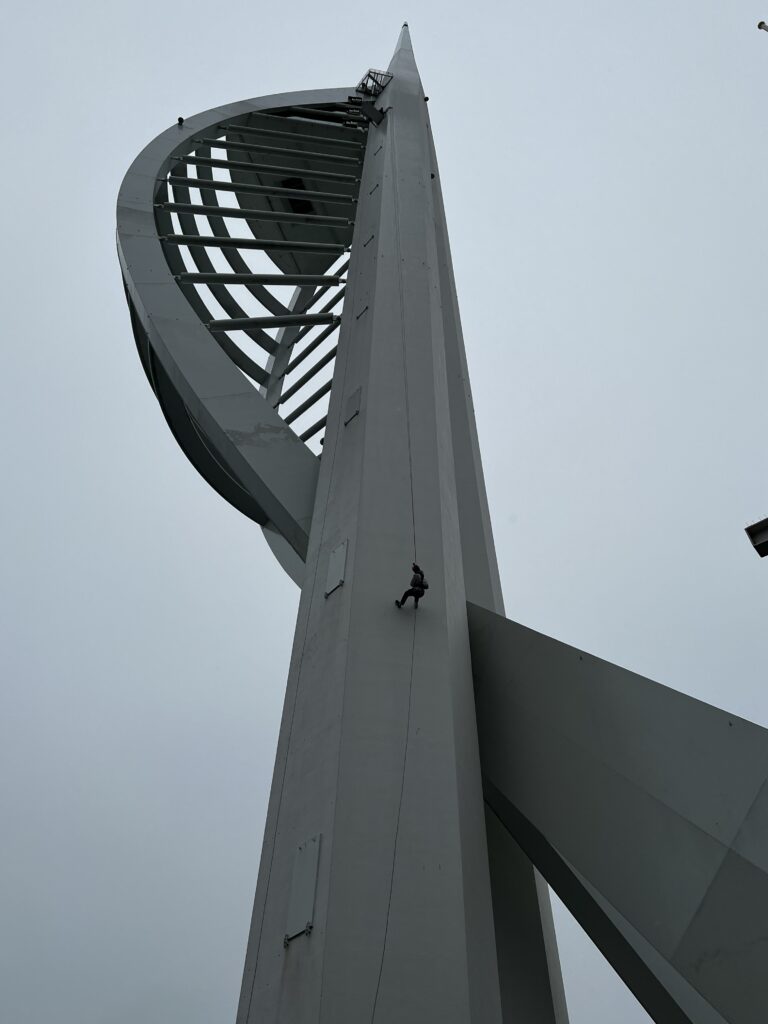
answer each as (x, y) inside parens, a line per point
(398, 603)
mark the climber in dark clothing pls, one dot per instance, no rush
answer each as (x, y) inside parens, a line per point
(417, 588)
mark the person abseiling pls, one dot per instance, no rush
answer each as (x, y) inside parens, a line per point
(418, 586)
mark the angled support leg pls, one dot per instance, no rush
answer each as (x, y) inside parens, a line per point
(644, 809)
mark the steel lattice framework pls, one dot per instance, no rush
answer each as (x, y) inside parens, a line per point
(276, 179)
(288, 274)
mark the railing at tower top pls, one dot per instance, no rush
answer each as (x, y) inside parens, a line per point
(256, 221)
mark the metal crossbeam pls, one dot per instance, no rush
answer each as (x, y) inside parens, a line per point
(300, 279)
(289, 135)
(263, 190)
(216, 242)
(247, 213)
(223, 296)
(338, 119)
(255, 147)
(290, 320)
(282, 118)
(288, 172)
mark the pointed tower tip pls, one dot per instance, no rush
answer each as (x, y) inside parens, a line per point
(403, 44)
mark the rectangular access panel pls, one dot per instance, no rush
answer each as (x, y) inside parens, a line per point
(337, 564)
(301, 906)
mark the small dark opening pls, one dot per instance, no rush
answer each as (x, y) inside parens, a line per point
(297, 205)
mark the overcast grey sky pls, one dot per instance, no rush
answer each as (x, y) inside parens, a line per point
(603, 165)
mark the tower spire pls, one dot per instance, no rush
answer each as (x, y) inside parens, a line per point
(403, 50)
